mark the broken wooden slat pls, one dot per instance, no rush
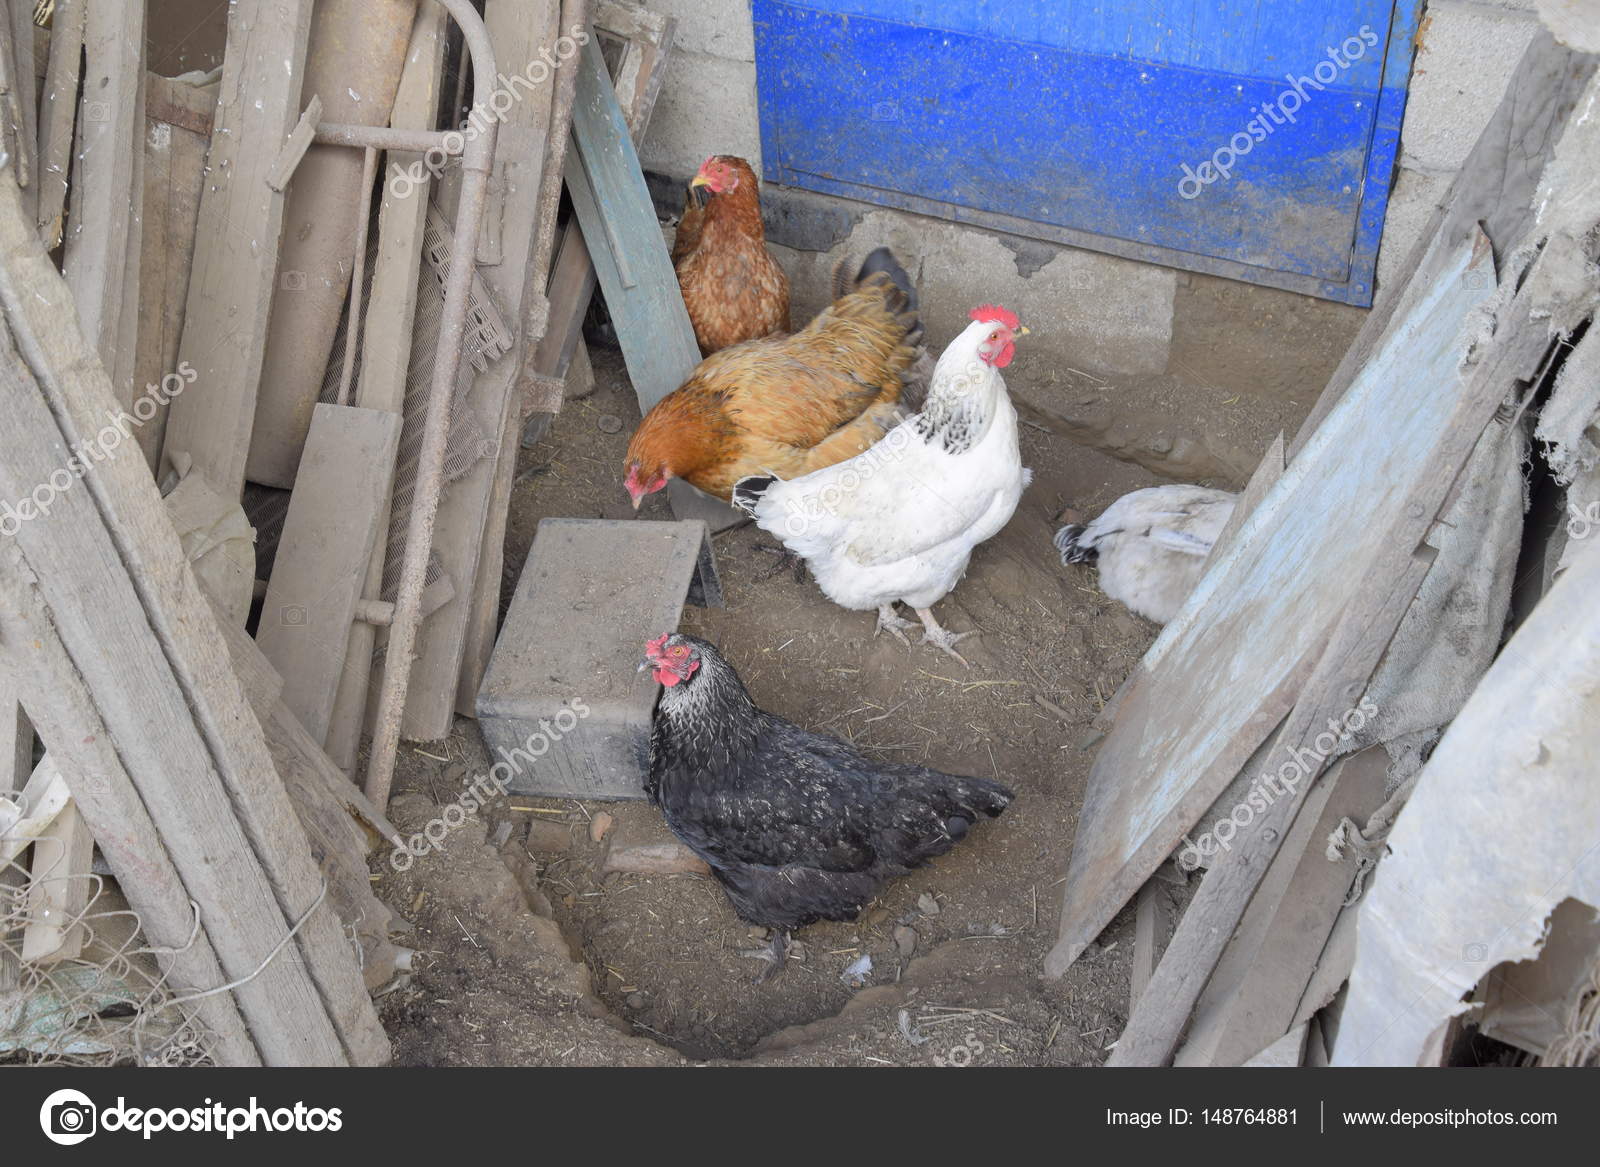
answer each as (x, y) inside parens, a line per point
(106, 192)
(57, 116)
(357, 49)
(28, 816)
(177, 131)
(162, 682)
(391, 314)
(332, 525)
(235, 263)
(60, 888)
(1252, 998)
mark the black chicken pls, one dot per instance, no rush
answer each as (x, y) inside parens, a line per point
(797, 826)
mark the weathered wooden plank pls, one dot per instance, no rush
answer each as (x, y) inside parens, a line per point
(235, 263)
(1150, 918)
(1521, 340)
(106, 193)
(519, 29)
(391, 314)
(328, 535)
(57, 115)
(1251, 999)
(1180, 736)
(177, 131)
(132, 618)
(624, 239)
(31, 648)
(20, 97)
(356, 54)
(635, 273)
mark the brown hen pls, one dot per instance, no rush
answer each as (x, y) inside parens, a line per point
(734, 290)
(788, 405)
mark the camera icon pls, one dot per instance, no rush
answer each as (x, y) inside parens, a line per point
(1475, 953)
(68, 1117)
(97, 111)
(294, 281)
(292, 616)
(1477, 280)
(886, 111)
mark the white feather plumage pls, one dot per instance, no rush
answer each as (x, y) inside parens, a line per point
(1151, 545)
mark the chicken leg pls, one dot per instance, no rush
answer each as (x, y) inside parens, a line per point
(940, 637)
(775, 954)
(889, 622)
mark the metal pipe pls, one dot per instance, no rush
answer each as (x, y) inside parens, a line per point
(389, 138)
(476, 162)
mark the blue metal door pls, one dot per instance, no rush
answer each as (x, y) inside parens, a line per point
(1253, 139)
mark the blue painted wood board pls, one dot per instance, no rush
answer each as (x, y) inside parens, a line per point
(1075, 120)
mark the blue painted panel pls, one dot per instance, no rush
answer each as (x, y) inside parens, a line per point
(1095, 120)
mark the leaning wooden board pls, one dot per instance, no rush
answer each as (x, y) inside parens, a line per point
(235, 262)
(624, 239)
(1225, 672)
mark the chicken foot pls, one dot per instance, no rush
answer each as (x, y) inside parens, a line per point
(940, 637)
(775, 954)
(889, 622)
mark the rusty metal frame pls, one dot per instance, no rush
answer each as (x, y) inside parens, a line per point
(477, 160)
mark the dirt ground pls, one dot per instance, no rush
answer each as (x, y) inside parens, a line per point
(528, 954)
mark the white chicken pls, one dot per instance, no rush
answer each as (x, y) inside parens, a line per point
(899, 522)
(1151, 545)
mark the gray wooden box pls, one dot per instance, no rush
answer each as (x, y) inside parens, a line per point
(563, 703)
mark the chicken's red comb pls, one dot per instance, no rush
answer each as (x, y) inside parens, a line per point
(654, 647)
(994, 314)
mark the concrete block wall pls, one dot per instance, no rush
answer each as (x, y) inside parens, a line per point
(1466, 52)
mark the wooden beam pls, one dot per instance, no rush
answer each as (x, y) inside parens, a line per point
(20, 97)
(391, 316)
(31, 648)
(57, 116)
(468, 507)
(338, 503)
(177, 131)
(236, 253)
(107, 191)
(132, 619)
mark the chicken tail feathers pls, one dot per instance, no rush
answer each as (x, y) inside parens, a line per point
(747, 492)
(1073, 546)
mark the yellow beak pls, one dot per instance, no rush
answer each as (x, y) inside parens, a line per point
(1023, 330)
(699, 180)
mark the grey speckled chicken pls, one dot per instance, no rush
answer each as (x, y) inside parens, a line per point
(797, 826)
(1151, 545)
